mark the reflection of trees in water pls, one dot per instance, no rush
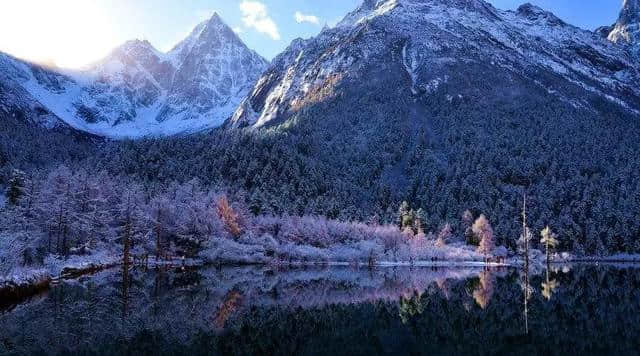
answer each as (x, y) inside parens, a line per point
(591, 311)
(125, 288)
(231, 303)
(527, 292)
(411, 306)
(484, 291)
(443, 285)
(548, 286)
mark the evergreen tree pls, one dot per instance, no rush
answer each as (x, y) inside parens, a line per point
(405, 217)
(16, 187)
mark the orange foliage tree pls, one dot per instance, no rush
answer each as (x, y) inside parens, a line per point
(230, 218)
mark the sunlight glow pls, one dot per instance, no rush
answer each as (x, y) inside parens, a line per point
(69, 33)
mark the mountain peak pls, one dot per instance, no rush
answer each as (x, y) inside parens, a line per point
(210, 27)
(536, 13)
(367, 10)
(627, 29)
(371, 9)
(135, 45)
(215, 18)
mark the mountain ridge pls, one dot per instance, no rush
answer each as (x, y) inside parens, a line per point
(138, 91)
(528, 42)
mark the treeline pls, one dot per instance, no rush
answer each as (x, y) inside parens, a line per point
(27, 145)
(64, 213)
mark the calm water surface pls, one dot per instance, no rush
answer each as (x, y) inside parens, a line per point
(574, 310)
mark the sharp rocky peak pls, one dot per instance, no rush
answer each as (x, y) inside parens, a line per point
(203, 32)
(136, 47)
(627, 29)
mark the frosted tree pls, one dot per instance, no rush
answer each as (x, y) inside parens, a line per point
(524, 241)
(56, 207)
(420, 219)
(444, 235)
(549, 241)
(197, 220)
(160, 215)
(129, 219)
(484, 233)
(24, 208)
(526, 236)
(91, 209)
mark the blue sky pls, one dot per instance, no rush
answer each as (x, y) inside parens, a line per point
(49, 30)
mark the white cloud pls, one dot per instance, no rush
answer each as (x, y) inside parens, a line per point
(255, 15)
(238, 29)
(300, 18)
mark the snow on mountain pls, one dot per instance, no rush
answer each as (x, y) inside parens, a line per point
(15, 100)
(438, 42)
(139, 91)
(627, 30)
(216, 71)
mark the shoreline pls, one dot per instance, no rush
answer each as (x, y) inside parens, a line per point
(18, 288)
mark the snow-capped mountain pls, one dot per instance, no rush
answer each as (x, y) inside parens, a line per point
(441, 48)
(139, 91)
(214, 71)
(626, 30)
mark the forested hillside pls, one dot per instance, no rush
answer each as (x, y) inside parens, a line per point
(578, 169)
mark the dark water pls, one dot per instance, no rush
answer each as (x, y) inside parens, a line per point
(574, 310)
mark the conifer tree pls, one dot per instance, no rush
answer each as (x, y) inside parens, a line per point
(16, 187)
(404, 216)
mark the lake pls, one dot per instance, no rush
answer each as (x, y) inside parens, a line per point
(570, 310)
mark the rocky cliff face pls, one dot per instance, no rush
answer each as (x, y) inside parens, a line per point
(626, 31)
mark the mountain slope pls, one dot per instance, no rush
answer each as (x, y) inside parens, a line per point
(431, 40)
(30, 134)
(16, 100)
(138, 91)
